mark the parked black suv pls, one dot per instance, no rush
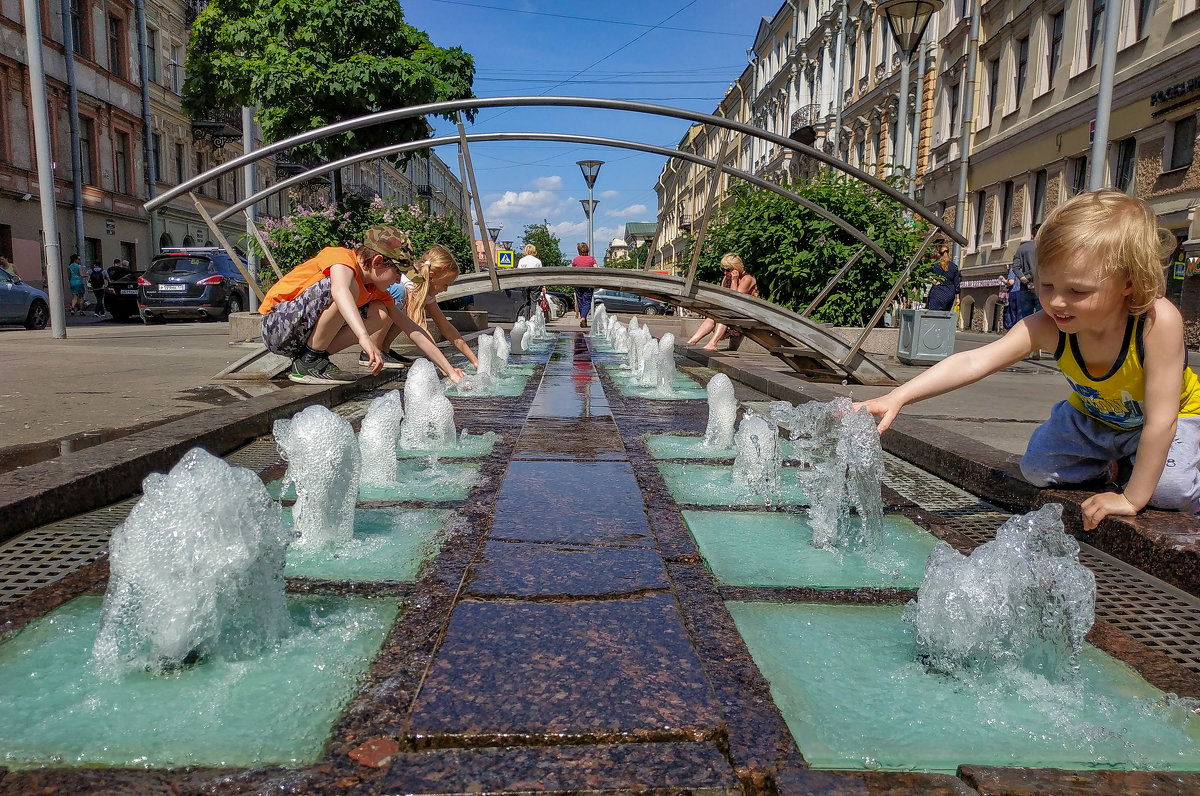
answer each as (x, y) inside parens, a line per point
(193, 283)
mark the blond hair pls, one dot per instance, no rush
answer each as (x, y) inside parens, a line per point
(436, 262)
(1118, 232)
(530, 250)
(733, 261)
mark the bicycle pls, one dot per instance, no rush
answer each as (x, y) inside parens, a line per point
(531, 300)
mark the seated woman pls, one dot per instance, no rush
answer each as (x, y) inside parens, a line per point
(416, 291)
(737, 279)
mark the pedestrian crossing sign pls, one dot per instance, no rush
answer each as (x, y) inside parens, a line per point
(504, 258)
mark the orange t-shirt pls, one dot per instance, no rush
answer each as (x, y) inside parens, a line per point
(309, 272)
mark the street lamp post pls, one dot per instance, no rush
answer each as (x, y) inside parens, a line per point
(494, 233)
(590, 169)
(907, 20)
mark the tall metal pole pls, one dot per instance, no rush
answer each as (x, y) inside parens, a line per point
(466, 195)
(249, 179)
(901, 159)
(968, 114)
(591, 212)
(1108, 65)
(483, 236)
(915, 150)
(841, 58)
(73, 119)
(147, 126)
(41, 141)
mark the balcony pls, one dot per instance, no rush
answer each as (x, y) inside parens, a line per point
(805, 116)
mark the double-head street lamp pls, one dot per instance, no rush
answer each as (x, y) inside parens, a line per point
(590, 169)
(907, 19)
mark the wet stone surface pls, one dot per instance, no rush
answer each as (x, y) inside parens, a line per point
(692, 767)
(1036, 781)
(867, 783)
(540, 570)
(594, 438)
(570, 396)
(579, 502)
(602, 670)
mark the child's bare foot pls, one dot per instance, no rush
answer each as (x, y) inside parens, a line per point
(710, 348)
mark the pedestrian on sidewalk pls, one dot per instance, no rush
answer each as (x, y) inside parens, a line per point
(1021, 284)
(98, 282)
(734, 278)
(340, 297)
(943, 295)
(7, 266)
(583, 295)
(77, 284)
(1135, 428)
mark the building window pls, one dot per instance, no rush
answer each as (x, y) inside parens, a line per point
(952, 108)
(993, 87)
(1006, 212)
(1183, 143)
(200, 170)
(1022, 70)
(1055, 49)
(221, 188)
(176, 67)
(1079, 175)
(129, 253)
(156, 142)
(93, 252)
(980, 203)
(152, 55)
(178, 161)
(1039, 197)
(121, 162)
(1145, 10)
(86, 141)
(116, 46)
(78, 28)
(1125, 164)
(860, 151)
(1095, 30)
(867, 37)
(1183, 7)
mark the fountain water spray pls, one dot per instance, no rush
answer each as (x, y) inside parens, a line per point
(1022, 599)
(722, 412)
(519, 331)
(758, 461)
(502, 348)
(324, 465)
(429, 419)
(196, 570)
(666, 364)
(599, 321)
(378, 437)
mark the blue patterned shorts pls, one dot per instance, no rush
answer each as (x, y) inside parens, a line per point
(288, 326)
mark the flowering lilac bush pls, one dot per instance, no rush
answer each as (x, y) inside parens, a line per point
(298, 236)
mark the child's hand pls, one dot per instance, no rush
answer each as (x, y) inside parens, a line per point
(1097, 507)
(374, 355)
(456, 375)
(884, 407)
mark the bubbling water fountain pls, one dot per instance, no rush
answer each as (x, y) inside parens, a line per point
(599, 322)
(193, 574)
(502, 348)
(757, 464)
(378, 437)
(324, 464)
(666, 364)
(517, 339)
(1020, 600)
(722, 412)
(429, 421)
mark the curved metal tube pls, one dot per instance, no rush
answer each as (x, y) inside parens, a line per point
(396, 149)
(441, 108)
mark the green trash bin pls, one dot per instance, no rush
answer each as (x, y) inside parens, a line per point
(926, 336)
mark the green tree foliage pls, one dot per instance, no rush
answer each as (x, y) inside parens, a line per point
(549, 249)
(794, 252)
(308, 229)
(308, 63)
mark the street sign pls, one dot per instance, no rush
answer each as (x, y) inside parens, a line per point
(504, 258)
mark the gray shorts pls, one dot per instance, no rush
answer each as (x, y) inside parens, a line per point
(1072, 448)
(288, 326)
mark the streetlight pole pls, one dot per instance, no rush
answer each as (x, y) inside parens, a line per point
(590, 169)
(494, 234)
(907, 20)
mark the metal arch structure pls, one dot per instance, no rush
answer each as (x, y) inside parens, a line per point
(804, 345)
(807, 347)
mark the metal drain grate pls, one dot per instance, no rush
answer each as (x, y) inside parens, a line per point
(51, 552)
(257, 456)
(928, 491)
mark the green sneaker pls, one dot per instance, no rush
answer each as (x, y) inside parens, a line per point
(319, 371)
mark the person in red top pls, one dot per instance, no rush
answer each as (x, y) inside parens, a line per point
(340, 297)
(583, 295)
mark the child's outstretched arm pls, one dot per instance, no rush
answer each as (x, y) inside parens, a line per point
(1164, 358)
(966, 367)
(450, 332)
(423, 341)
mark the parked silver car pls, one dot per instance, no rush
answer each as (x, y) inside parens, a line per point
(20, 303)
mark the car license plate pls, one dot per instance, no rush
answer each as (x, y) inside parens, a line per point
(172, 288)
(126, 291)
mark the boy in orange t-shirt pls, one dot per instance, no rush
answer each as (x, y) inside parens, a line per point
(340, 297)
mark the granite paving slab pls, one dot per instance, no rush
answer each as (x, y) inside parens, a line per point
(578, 502)
(580, 395)
(569, 368)
(795, 782)
(584, 438)
(607, 670)
(633, 768)
(989, 781)
(522, 569)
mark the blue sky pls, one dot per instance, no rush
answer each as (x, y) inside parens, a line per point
(683, 53)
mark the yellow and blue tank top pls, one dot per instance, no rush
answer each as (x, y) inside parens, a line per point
(1115, 398)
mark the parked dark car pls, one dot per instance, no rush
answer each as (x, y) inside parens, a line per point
(121, 295)
(191, 283)
(20, 303)
(618, 301)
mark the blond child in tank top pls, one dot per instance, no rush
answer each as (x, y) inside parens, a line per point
(1119, 344)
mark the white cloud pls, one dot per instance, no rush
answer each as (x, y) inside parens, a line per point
(632, 210)
(609, 194)
(569, 232)
(552, 183)
(514, 205)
